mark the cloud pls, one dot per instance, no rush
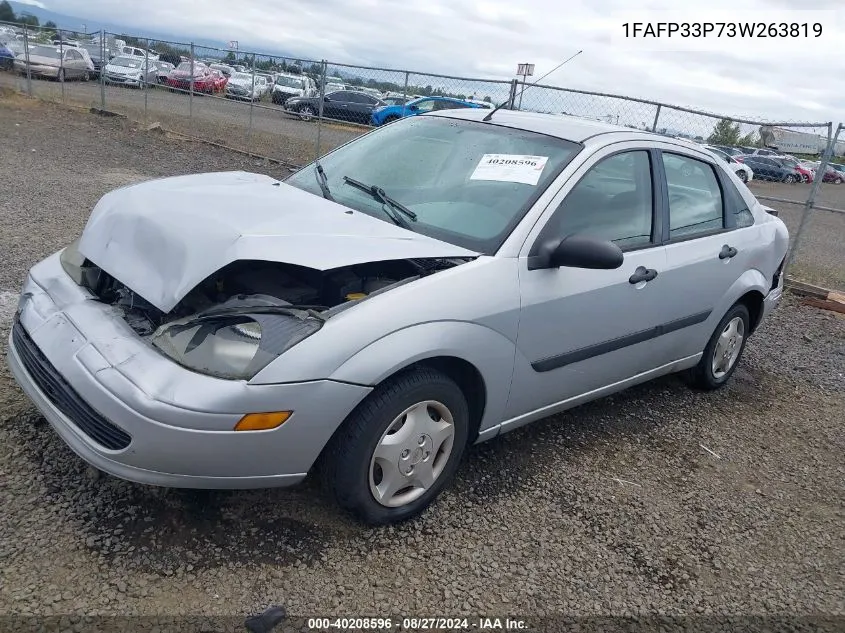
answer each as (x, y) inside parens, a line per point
(792, 79)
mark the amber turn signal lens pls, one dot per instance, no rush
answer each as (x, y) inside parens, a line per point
(262, 421)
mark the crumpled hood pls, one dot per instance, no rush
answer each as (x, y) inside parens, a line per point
(163, 237)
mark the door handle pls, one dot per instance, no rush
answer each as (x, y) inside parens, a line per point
(642, 274)
(727, 252)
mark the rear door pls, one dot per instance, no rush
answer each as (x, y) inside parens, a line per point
(710, 242)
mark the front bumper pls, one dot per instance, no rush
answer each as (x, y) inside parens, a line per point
(122, 79)
(178, 423)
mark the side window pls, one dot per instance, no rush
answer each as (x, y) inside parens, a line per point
(695, 197)
(426, 106)
(612, 201)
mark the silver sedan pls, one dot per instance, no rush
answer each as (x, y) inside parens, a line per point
(432, 284)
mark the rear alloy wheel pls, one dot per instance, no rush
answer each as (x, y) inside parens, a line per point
(789, 180)
(398, 450)
(723, 351)
(805, 178)
(306, 113)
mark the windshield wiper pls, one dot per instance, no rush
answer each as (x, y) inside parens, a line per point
(322, 180)
(386, 201)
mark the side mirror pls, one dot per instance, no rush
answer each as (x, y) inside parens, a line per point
(413, 108)
(326, 98)
(578, 251)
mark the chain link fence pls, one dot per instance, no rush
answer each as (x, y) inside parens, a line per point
(290, 110)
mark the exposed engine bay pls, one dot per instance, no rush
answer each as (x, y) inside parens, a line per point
(246, 284)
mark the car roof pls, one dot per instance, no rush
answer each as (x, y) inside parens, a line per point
(570, 128)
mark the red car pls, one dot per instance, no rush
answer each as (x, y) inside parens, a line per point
(180, 78)
(220, 80)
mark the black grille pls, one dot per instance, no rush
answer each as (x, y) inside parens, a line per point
(62, 395)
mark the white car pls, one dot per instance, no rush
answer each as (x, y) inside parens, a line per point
(334, 87)
(130, 71)
(246, 86)
(287, 86)
(134, 51)
(742, 171)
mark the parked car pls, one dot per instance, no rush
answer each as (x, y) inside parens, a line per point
(345, 105)
(180, 78)
(730, 151)
(134, 51)
(95, 52)
(743, 171)
(7, 57)
(393, 100)
(244, 86)
(334, 87)
(832, 174)
(54, 63)
(228, 71)
(772, 169)
(219, 81)
(387, 114)
(805, 174)
(339, 318)
(287, 86)
(162, 71)
(130, 71)
(270, 79)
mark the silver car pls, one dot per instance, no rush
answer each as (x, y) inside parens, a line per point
(54, 62)
(434, 283)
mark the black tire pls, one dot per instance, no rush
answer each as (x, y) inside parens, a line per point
(789, 180)
(702, 375)
(346, 462)
(805, 178)
(306, 112)
(742, 176)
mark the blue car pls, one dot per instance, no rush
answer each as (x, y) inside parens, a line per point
(389, 113)
(6, 57)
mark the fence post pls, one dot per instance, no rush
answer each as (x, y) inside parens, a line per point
(656, 116)
(104, 60)
(251, 106)
(323, 72)
(28, 69)
(405, 93)
(811, 199)
(512, 95)
(146, 75)
(191, 96)
(62, 65)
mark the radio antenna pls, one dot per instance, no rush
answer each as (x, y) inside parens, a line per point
(531, 85)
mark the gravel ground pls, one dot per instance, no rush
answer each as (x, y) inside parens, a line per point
(820, 257)
(613, 508)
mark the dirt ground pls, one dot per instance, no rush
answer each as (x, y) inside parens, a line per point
(657, 500)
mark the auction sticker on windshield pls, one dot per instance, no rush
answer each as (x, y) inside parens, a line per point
(510, 168)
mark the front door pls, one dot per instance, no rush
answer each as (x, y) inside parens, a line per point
(581, 330)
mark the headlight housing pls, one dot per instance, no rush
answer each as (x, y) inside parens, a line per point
(237, 339)
(72, 261)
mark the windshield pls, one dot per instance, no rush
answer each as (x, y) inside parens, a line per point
(126, 62)
(45, 51)
(289, 82)
(468, 183)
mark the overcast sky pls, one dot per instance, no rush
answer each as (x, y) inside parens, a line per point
(793, 80)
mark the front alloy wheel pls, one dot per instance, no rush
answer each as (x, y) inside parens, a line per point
(399, 448)
(306, 113)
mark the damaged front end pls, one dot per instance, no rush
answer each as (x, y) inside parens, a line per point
(245, 315)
